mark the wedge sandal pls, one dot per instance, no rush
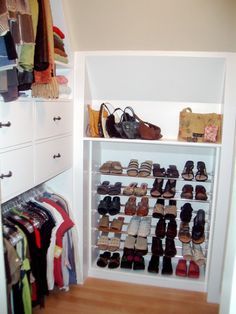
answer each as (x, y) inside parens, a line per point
(187, 191)
(200, 193)
(145, 168)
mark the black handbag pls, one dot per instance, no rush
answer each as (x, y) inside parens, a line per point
(128, 126)
(112, 127)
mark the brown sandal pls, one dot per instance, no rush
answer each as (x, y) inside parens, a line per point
(142, 190)
(143, 207)
(130, 206)
(129, 190)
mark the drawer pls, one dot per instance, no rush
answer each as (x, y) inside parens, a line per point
(16, 123)
(53, 118)
(52, 157)
(17, 165)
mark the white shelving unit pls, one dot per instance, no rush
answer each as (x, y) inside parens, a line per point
(158, 85)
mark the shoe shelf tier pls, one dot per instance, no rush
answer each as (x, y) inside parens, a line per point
(164, 153)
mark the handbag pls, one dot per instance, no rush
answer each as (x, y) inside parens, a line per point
(128, 125)
(200, 127)
(112, 122)
(149, 131)
(95, 117)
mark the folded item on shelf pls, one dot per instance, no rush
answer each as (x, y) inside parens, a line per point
(60, 52)
(58, 31)
(64, 89)
(61, 79)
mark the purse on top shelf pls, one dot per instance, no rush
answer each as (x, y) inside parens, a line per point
(200, 127)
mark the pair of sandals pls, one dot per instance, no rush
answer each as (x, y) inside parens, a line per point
(169, 190)
(144, 170)
(115, 226)
(136, 245)
(113, 261)
(167, 212)
(161, 231)
(104, 243)
(111, 167)
(200, 192)
(111, 189)
(201, 174)
(141, 209)
(139, 226)
(193, 252)
(132, 260)
(109, 205)
(182, 270)
(133, 189)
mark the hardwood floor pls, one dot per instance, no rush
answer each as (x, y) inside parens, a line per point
(111, 297)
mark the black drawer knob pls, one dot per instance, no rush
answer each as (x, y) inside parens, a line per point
(56, 118)
(57, 156)
(2, 176)
(6, 125)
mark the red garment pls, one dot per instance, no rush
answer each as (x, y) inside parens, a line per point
(58, 32)
(64, 227)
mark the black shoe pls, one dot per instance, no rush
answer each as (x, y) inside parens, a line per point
(167, 266)
(153, 266)
(157, 248)
(186, 212)
(104, 205)
(114, 208)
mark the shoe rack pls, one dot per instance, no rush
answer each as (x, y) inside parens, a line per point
(165, 155)
(157, 85)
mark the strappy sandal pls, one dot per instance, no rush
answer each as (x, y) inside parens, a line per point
(114, 261)
(145, 168)
(169, 191)
(142, 190)
(132, 169)
(129, 190)
(158, 171)
(158, 210)
(130, 206)
(172, 172)
(115, 189)
(184, 232)
(103, 259)
(200, 193)
(103, 188)
(201, 174)
(187, 192)
(198, 235)
(187, 173)
(156, 190)
(142, 209)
